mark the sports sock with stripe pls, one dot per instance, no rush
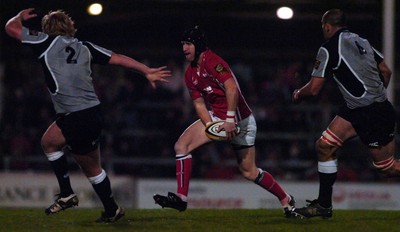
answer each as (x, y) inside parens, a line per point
(183, 174)
(267, 181)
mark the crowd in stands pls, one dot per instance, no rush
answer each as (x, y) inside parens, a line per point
(142, 124)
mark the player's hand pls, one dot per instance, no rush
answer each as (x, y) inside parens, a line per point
(158, 74)
(27, 14)
(229, 128)
(295, 96)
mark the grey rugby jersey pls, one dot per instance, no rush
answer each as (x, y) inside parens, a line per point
(353, 63)
(67, 63)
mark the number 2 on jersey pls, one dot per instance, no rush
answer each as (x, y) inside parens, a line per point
(71, 55)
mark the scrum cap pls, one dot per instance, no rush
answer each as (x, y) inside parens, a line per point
(197, 37)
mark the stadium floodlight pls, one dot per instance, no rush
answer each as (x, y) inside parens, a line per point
(284, 12)
(95, 9)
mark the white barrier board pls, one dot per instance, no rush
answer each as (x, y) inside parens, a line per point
(37, 190)
(244, 194)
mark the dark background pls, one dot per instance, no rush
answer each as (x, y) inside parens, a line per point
(248, 27)
(142, 125)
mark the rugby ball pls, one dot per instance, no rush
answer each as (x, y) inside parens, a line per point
(213, 134)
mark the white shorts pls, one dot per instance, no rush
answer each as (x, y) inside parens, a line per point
(248, 131)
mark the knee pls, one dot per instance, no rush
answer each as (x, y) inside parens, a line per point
(45, 143)
(322, 149)
(327, 145)
(50, 145)
(180, 148)
(249, 174)
(325, 150)
(389, 167)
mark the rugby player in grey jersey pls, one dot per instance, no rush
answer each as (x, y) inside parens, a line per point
(67, 64)
(362, 77)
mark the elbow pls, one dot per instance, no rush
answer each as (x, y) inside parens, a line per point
(12, 32)
(384, 70)
(386, 73)
(314, 92)
(389, 73)
(8, 30)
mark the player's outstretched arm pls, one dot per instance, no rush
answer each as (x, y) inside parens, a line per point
(13, 27)
(152, 74)
(312, 88)
(157, 74)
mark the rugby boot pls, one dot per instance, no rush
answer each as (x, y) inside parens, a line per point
(170, 201)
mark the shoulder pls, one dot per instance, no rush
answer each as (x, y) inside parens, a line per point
(213, 60)
(331, 45)
(97, 49)
(210, 55)
(33, 37)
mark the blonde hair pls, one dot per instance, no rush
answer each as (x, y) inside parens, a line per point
(58, 23)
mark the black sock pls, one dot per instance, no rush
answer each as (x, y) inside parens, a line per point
(326, 182)
(103, 190)
(60, 168)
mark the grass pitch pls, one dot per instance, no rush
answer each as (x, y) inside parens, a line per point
(202, 220)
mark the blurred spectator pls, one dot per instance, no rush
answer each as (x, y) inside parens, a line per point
(139, 128)
(20, 145)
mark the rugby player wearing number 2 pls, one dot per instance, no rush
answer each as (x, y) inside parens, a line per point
(210, 81)
(67, 64)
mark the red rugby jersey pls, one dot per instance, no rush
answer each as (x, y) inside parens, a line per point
(208, 83)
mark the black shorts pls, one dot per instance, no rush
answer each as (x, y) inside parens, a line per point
(375, 124)
(81, 129)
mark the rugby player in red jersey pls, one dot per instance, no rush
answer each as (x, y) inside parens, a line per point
(210, 81)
